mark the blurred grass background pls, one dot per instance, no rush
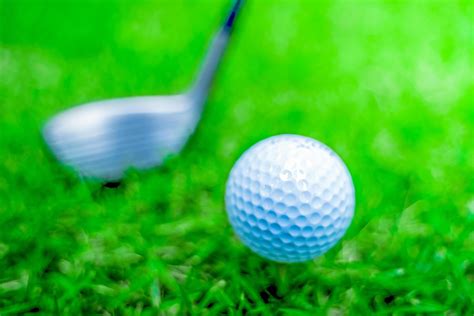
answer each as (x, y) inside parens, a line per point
(388, 85)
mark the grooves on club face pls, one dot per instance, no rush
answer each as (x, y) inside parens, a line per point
(103, 139)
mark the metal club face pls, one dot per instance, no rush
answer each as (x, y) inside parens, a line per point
(103, 139)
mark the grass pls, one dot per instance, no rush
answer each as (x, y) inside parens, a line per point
(387, 85)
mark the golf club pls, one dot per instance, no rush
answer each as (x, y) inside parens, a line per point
(103, 139)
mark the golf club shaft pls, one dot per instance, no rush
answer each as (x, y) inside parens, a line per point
(203, 82)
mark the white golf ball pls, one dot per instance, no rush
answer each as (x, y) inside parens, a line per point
(290, 198)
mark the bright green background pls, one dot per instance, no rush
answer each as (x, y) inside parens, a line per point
(387, 85)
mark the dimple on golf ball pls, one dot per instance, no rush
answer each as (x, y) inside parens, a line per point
(290, 198)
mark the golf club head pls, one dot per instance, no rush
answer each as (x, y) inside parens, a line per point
(103, 139)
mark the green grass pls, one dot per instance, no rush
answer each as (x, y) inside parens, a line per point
(387, 85)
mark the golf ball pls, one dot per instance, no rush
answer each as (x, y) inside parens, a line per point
(290, 198)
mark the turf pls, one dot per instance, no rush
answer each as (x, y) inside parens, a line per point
(387, 85)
